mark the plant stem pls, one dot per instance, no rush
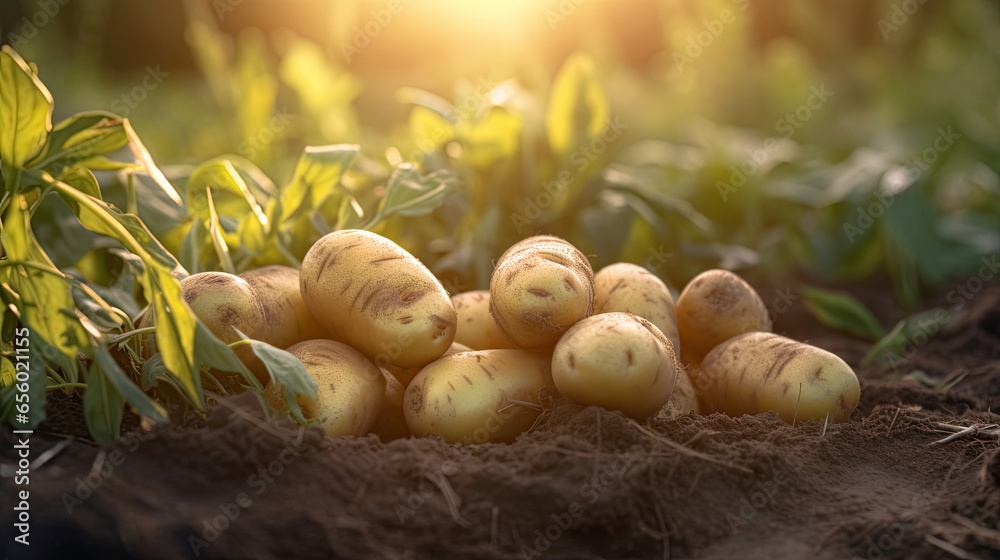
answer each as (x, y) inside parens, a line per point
(66, 386)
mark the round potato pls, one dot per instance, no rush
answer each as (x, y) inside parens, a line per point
(470, 397)
(351, 388)
(618, 361)
(630, 288)
(286, 320)
(476, 327)
(370, 293)
(541, 287)
(715, 306)
(758, 372)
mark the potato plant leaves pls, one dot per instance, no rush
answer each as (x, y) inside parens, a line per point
(842, 312)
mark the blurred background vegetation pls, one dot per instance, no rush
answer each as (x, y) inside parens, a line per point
(837, 141)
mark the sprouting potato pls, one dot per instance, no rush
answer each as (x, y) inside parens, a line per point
(541, 287)
(286, 319)
(618, 361)
(351, 388)
(478, 396)
(476, 327)
(759, 372)
(632, 289)
(715, 306)
(370, 293)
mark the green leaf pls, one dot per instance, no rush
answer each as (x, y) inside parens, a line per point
(215, 232)
(124, 385)
(103, 406)
(316, 176)
(81, 179)
(44, 296)
(578, 107)
(142, 156)
(25, 113)
(893, 341)
(409, 194)
(230, 193)
(842, 312)
(190, 255)
(287, 371)
(36, 382)
(82, 137)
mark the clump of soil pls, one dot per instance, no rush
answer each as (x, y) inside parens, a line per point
(584, 483)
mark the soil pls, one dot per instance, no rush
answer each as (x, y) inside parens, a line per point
(584, 483)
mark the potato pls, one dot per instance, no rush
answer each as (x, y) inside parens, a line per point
(541, 287)
(351, 388)
(370, 293)
(466, 397)
(476, 327)
(757, 372)
(682, 400)
(223, 302)
(715, 306)
(406, 375)
(618, 361)
(390, 423)
(287, 320)
(633, 289)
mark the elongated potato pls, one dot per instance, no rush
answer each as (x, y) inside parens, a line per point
(618, 361)
(757, 372)
(715, 306)
(476, 327)
(630, 288)
(286, 319)
(467, 397)
(351, 388)
(370, 293)
(541, 287)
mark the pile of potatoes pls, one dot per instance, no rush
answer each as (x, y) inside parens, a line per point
(393, 354)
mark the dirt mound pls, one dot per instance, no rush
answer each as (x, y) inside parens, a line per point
(584, 483)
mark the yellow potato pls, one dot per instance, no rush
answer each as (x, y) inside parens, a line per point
(633, 289)
(541, 287)
(758, 372)
(390, 423)
(467, 397)
(714, 307)
(286, 319)
(351, 388)
(618, 361)
(682, 400)
(476, 327)
(370, 293)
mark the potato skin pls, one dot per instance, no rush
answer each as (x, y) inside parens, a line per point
(373, 295)
(618, 361)
(759, 372)
(682, 400)
(476, 327)
(351, 388)
(541, 287)
(715, 306)
(404, 376)
(459, 397)
(286, 319)
(632, 289)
